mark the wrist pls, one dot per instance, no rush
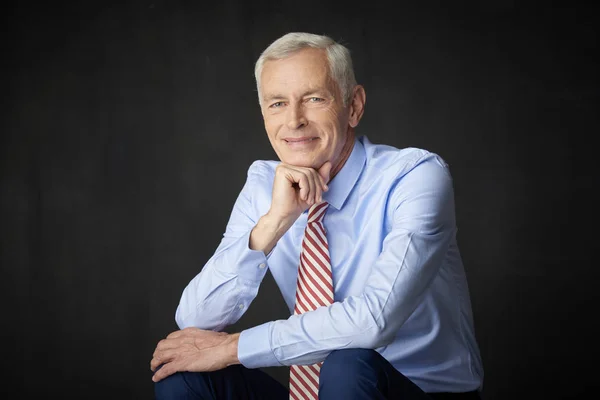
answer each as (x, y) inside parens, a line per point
(278, 224)
(267, 232)
(232, 349)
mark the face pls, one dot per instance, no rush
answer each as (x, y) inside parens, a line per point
(303, 110)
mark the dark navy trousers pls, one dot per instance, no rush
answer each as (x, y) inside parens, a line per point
(350, 374)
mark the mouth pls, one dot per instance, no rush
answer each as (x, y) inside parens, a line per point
(300, 140)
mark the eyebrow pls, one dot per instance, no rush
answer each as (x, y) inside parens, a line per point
(273, 97)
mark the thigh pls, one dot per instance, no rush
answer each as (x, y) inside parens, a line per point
(398, 385)
(364, 374)
(232, 383)
(456, 396)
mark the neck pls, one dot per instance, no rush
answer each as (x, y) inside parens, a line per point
(345, 153)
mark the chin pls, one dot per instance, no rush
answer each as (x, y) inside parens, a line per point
(301, 161)
(297, 163)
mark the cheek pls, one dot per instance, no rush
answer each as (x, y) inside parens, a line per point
(331, 125)
(327, 120)
(271, 127)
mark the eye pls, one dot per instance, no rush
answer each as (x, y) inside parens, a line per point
(276, 104)
(316, 100)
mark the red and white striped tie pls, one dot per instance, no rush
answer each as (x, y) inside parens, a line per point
(313, 289)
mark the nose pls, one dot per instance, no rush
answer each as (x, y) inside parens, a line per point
(295, 117)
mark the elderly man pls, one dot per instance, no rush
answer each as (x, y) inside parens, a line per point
(361, 240)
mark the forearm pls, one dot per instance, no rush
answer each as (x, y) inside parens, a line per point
(267, 232)
(306, 338)
(219, 295)
(370, 320)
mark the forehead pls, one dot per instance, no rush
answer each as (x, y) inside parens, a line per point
(307, 68)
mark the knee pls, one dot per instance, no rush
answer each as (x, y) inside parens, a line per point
(350, 364)
(171, 387)
(183, 385)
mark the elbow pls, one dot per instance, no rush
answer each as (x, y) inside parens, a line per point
(189, 313)
(380, 336)
(187, 309)
(370, 329)
(189, 317)
(182, 318)
(197, 317)
(382, 329)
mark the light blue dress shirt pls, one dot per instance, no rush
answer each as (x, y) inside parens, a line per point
(399, 282)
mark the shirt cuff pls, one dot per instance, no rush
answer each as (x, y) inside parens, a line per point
(254, 347)
(247, 257)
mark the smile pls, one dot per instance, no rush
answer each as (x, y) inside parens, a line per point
(300, 140)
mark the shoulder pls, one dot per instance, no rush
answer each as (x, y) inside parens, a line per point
(395, 163)
(415, 184)
(259, 181)
(262, 171)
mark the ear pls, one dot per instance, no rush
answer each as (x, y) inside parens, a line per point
(357, 105)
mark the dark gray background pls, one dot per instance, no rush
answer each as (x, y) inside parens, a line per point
(128, 128)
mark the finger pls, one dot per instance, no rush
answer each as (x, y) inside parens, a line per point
(324, 173)
(185, 332)
(322, 182)
(170, 343)
(192, 331)
(175, 334)
(317, 186)
(154, 363)
(162, 346)
(166, 370)
(303, 183)
(162, 357)
(310, 179)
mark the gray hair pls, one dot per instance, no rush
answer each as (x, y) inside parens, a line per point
(338, 57)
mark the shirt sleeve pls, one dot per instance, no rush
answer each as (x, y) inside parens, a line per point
(422, 211)
(222, 291)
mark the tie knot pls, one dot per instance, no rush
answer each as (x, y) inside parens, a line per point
(317, 212)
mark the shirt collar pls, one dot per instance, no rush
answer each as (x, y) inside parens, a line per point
(341, 184)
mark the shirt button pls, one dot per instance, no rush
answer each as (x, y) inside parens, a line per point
(262, 265)
(241, 306)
